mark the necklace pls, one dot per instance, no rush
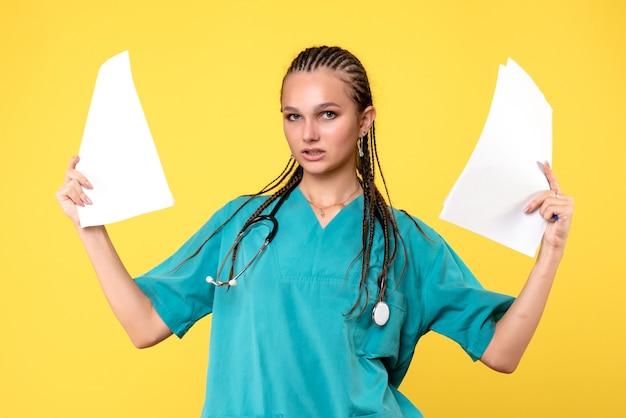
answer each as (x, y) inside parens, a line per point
(322, 209)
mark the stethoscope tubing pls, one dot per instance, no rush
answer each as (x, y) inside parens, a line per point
(271, 217)
(380, 311)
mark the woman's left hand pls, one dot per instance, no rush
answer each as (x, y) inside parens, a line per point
(556, 208)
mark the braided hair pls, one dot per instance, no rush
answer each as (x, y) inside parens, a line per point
(375, 207)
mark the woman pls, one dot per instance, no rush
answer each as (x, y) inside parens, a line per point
(319, 291)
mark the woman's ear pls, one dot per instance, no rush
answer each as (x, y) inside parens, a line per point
(367, 119)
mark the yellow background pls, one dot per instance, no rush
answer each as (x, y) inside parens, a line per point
(208, 74)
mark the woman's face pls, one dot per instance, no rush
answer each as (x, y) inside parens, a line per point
(321, 122)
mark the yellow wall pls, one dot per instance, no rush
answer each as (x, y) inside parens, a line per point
(208, 74)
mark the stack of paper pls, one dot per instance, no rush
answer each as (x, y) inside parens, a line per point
(502, 174)
(117, 153)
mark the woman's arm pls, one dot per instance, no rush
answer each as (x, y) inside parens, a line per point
(130, 305)
(516, 328)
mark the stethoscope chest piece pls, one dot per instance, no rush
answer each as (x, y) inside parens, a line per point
(380, 313)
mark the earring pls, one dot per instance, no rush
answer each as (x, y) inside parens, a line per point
(362, 145)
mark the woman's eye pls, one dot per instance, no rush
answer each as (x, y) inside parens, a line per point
(293, 116)
(329, 115)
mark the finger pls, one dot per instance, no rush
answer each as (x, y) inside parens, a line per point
(73, 174)
(74, 196)
(561, 209)
(72, 163)
(74, 192)
(549, 212)
(539, 200)
(552, 181)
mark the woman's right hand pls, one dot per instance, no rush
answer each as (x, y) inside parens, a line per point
(71, 193)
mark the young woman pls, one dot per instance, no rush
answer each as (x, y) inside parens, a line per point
(318, 290)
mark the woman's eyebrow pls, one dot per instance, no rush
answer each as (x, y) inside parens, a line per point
(319, 106)
(327, 104)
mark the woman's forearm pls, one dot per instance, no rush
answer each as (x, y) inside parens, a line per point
(515, 329)
(131, 306)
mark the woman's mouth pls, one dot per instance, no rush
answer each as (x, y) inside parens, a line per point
(312, 154)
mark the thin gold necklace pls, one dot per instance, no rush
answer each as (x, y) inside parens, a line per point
(342, 203)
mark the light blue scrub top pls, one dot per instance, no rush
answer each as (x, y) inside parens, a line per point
(282, 344)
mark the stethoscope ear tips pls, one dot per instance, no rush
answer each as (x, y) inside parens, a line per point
(211, 280)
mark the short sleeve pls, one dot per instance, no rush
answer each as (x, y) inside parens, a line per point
(177, 287)
(457, 306)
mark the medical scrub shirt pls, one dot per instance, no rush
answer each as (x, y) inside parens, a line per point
(283, 341)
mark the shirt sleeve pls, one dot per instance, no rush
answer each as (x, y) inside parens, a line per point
(457, 306)
(177, 287)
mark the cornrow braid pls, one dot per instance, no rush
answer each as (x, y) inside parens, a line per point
(291, 184)
(375, 209)
(342, 61)
(290, 168)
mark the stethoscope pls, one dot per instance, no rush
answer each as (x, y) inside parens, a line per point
(380, 312)
(271, 217)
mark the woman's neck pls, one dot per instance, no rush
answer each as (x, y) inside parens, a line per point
(327, 193)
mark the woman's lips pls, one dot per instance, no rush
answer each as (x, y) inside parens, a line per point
(312, 154)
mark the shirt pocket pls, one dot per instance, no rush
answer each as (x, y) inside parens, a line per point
(374, 341)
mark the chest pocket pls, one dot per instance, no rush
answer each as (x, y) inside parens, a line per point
(376, 342)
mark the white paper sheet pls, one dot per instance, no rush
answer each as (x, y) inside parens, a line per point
(502, 174)
(117, 153)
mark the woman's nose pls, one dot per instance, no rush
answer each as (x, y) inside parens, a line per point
(310, 132)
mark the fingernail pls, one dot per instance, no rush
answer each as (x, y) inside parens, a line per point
(526, 209)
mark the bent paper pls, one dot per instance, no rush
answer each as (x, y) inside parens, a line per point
(502, 174)
(117, 152)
